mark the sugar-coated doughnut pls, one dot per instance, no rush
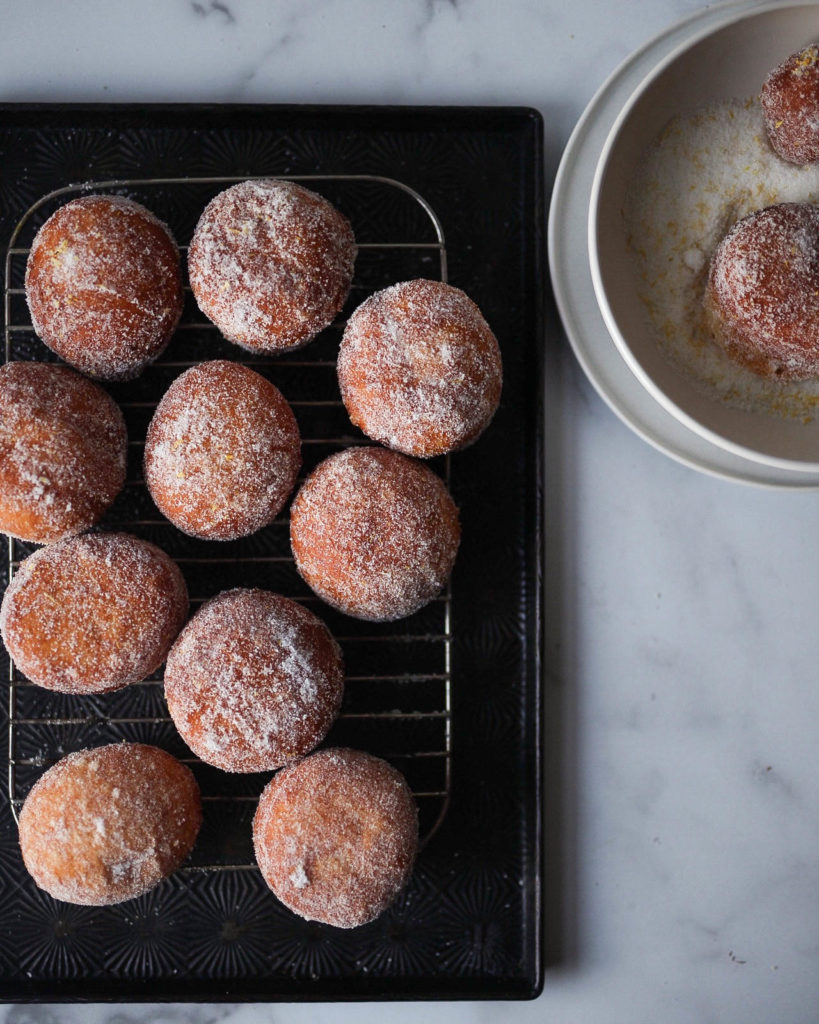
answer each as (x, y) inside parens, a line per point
(104, 286)
(420, 369)
(790, 107)
(374, 533)
(762, 297)
(254, 681)
(336, 835)
(107, 824)
(63, 450)
(271, 263)
(223, 451)
(93, 613)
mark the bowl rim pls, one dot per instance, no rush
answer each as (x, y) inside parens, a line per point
(619, 339)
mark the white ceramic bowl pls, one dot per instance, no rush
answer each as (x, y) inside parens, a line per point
(729, 61)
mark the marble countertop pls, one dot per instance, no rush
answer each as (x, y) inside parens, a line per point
(681, 691)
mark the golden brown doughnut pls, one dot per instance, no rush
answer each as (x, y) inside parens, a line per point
(420, 369)
(336, 835)
(790, 106)
(62, 452)
(223, 451)
(107, 824)
(374, 533)
(254, 681)
(762, 297)
(271, 263)
(93, 613)
(103, 286)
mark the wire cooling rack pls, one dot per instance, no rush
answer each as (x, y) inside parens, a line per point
(398, 701)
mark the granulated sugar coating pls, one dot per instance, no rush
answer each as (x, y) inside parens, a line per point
(336, 835)
(223, 451)
(107, 824)
(374, 533)
(705, 172)
(271, 264)
(790, 102)
(104, 287)
(762, 299)
(254, 681)
(62, 452)
(93, 613)
(419, 368)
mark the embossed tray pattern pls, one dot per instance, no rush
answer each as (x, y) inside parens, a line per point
(451, 695)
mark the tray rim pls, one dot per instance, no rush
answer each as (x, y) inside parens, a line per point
(394, 117)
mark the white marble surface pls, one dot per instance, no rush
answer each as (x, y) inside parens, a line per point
(682, 610)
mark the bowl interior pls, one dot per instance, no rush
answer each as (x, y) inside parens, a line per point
(731, 62)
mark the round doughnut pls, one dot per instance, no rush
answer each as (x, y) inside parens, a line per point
(254, 681)
(93, 613)
(762, 297)
(223, 451)
(107, 824)
(103, 286)
(374, 533)
(63, 448)
(790, 107)
(271, 263)
(419, 368)
(336, 835)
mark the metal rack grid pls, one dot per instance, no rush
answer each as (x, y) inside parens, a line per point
(416, 734)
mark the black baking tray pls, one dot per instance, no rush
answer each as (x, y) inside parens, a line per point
(470, 924)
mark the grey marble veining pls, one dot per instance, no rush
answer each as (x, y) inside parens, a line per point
(215, 8)
(682, 627)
